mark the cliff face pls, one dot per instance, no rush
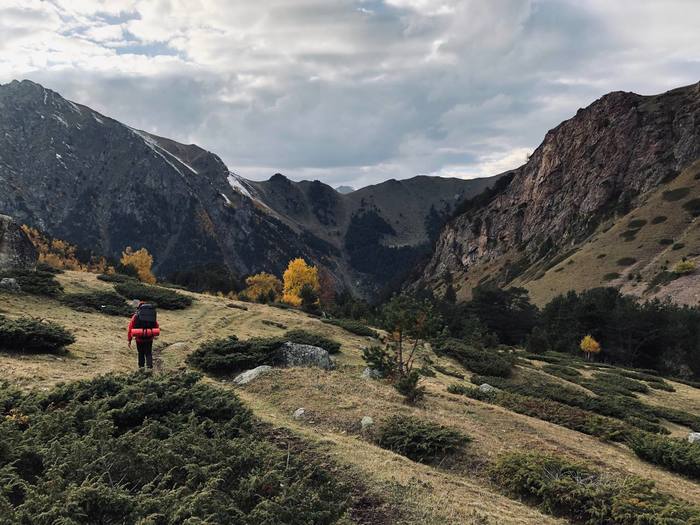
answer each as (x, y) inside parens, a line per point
(81, 176)
(596, 167)
(16, 250)
(102, 185)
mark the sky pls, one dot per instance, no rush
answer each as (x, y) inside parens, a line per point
(351, 92)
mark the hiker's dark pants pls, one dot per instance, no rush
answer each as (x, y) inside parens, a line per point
(145, 350)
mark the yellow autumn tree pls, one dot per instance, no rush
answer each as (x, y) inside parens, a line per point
(54, 252)
(142, 261)
(589, 346)
(263, 287)
(297, 275)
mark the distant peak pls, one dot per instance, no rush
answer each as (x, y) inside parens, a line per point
(279, 178)
(344, 189)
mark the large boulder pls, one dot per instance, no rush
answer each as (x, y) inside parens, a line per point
(10, 285)
(249, 375)
(694, 437)
(295, 354)
(16, 250)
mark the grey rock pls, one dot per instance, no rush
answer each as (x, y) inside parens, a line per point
(299, 413)
(177, 347)
(366, 422)
(8, 284)
(486, 388)
(370, 373)
(295, 354)
(694, 437)
(249, 375)
(16, 250)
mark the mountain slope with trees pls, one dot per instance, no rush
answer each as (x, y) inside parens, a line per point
(80, 176)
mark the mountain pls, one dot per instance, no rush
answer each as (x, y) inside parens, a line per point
(344, 189)
(95, 182)
(610, 197)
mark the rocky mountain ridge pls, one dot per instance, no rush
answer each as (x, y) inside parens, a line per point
(86, 178)
(590, 171)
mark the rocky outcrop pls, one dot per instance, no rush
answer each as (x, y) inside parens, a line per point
(295, 354)
(16, 250)
(596, 165)
(250, 375)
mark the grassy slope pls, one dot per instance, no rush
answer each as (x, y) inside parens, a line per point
(603, 254)
(335, 402)
(595, 261)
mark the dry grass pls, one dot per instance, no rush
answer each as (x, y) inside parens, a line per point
(336, 401)
(586, 268)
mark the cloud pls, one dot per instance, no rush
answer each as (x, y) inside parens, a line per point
(350, 91)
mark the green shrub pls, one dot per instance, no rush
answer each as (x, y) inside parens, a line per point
(420, 440)
(675, 195)
(626, 261)
(407, 385)
(615, 406)
(611, 276)
(678, 417)
(165, 449)
(565, 372)
(587, 496)
(610, 383)
(629, 235)
(105, 302)
(379, 360)
(550, 411)
(229, 355)
(35, 282)
(27, 335)
(116, 278)
(161, 297)
(426, 371)
(308, 338)
(659, 219)
(549, 357)
(674, 454)
(448, 372)
(654, 381)
(480, 361)
(693, 206)
(353, 326)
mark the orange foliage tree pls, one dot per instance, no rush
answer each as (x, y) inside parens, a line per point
(297, 275)
(263, 287)
(141, 261)
(589, 346)
(61, 254)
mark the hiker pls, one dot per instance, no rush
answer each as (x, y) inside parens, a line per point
(144, 328)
